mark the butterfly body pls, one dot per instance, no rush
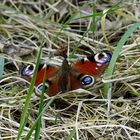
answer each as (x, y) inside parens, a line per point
(68, 77)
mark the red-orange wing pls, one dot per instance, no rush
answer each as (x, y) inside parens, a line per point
(93, 65)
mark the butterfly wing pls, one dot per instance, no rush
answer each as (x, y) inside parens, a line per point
(51, 84)
(86, 70)
(93, 65)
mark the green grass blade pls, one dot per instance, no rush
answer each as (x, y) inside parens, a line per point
(94, 15)
(38, 118)
(93, 18)
(31, 88)
(71, 136)
(115, 55)
(41, 106)
(100, 14)
(1, 66)
(66, 24)
(5, 7)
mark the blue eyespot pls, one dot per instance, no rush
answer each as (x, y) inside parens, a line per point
(27, 70)
(103, 58)
(40, 87)
(87, 80)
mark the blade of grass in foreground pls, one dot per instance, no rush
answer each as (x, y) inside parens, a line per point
(1, 66)
(116, 53)
(31, 88)
(38, 118)
(41, 106)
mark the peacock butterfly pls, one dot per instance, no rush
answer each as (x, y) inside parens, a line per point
(68, 77)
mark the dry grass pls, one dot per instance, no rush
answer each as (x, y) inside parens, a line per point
(80, 115)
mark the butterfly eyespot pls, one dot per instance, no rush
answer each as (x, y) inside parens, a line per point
(102, 58)
(87, 80)
(40, 87)
(28, 70)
